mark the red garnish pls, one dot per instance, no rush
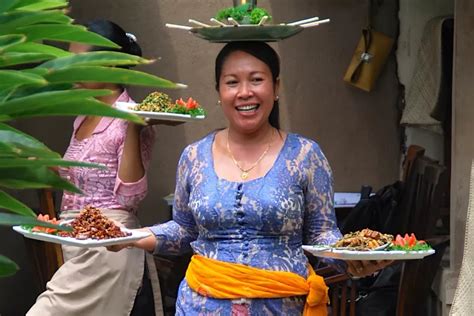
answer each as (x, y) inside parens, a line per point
(47, 230)
(408, 241)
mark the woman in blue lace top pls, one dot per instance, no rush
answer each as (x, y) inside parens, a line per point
(251, 193)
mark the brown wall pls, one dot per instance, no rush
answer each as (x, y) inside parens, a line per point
(358, 131)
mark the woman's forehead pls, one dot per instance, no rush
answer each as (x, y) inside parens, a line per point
(242, 61)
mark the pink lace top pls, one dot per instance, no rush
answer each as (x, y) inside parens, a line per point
(103, 188)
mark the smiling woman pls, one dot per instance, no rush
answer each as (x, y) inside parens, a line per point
(125, 148)
(247, 197)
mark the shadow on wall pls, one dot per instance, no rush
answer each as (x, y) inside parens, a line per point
(318, 104)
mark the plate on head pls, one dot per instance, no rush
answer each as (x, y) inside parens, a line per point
(244, 32)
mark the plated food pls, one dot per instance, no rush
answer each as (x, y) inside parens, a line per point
(243, 14)
(246, 22)
(161, 102)
(364, 240)
(368, 244)
(90, 229)
(160, 106)
(92, 224)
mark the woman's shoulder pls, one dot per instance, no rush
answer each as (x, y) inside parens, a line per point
(304, 143)
(199, 147)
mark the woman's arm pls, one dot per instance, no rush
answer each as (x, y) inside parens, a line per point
(173, 237)
(134, 155)
(131, 165)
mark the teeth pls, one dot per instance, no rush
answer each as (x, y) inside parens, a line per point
(247, 107)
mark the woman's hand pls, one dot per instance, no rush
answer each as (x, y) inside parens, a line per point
(150, 121)
(148, 243)
(365, 268)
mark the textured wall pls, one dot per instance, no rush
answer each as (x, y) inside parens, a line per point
(358, 131)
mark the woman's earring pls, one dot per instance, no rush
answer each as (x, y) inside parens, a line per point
(277, 98)
(218, 102)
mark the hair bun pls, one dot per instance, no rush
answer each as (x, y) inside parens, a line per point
(131, 36)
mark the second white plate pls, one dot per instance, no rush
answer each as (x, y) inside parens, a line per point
(85, 243)
(128, 107)
(328, 252)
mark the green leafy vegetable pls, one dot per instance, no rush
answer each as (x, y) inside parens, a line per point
(243, 14)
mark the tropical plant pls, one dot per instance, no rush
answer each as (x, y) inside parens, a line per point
(36, 79)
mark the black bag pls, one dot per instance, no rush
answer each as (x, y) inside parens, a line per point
(378, 295)
(377, 212)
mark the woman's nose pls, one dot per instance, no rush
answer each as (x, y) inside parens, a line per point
(245, 90)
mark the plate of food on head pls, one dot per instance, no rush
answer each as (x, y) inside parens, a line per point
(368, 244)
(91, 228)
(246, 22)
(159, 106)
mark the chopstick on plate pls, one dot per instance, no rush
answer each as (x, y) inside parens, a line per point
(176, 26)
(313, 19)
(231, 20)
(198, 23)
(218, 22)
(263, 20)
(315, 23)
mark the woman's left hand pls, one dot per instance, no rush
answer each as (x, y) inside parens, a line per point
(365, 268)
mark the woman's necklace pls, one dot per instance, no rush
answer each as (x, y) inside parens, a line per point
(245, 172)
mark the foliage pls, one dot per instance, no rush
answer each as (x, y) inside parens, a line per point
(243, 14)
(36, 79)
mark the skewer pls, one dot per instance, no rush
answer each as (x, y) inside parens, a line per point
(315, 23)
(176, 26)
(198, 23)
(231, 20)
(263, 20)
(304, 21)
(218, 22)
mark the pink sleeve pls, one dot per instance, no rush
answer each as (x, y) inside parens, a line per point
(129, 193)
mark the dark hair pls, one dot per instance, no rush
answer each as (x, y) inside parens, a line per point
(116, 34)
(261, 51)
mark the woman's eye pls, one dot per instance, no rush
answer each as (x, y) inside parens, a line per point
(231, 82)
(258, 79)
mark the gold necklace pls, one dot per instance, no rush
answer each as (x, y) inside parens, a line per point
(245, 172)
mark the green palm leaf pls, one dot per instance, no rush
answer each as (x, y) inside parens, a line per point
(8, 22)
(107, 74)
(7, 267)
(7, 41)
(34, 178)
(31, 47)
(38, 5)
(64, 33)
(9, 203)
(6, 4)
(13, 219)
(13, 59)
(100, 58)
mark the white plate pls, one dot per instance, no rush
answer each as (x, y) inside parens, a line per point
(85, 243)
(328, 252)
(128, 107)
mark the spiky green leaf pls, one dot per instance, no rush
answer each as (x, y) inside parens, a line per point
(10, 203)
(7, 267)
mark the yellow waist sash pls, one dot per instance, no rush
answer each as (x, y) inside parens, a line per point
(225, 280)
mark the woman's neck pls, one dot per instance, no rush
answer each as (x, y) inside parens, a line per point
(262, 135)
(111, 98)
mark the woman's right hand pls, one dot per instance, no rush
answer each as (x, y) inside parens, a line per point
(148, 243)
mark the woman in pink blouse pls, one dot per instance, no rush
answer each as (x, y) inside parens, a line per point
(94, 281)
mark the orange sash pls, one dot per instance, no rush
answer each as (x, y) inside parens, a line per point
(225, 280)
